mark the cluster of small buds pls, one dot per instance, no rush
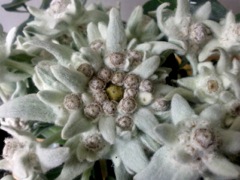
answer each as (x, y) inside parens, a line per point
(86, 69)
(135, 57)
(146, 86)
(97, 84)
(117, 59)
(127, 105)
(125, 122)
(97, 46)
(204, 136)
(105, 74)
(94, 142)
(118, 78)
(110, 107)
(92, 110)
(213, 86)
(199, 33)
(234, 108)
(160, 104)
(11, 145)
(100, 96)
(72, 101)
(58, 7)
(131, 81)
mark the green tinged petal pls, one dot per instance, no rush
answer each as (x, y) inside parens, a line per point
(93, 33)
(182, 10)
(230, 141)
(167, 133)
(28, 107)
(203, 12)
(51, 97)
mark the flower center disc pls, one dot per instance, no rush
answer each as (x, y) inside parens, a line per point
(114, 92)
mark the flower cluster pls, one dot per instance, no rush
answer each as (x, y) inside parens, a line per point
(101, 85)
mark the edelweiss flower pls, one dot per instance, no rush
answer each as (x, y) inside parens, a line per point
(186, 30)
(212, 84)
(63, 21)
(193, 145)
(226, 37)
(10, 80)
(28, 159)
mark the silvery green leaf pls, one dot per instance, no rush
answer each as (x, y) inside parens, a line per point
(74, 80)
(60, 52)
(180, 109)
(134, 20)
(116, 38)
(221, 166)
(149, 143)
(230, 141)
(44, 78)
(203, 12)
(224, 62)
(93, 33)
(167, 133)
(160, 46)
(207, 50)
(52, 157)
(214, 114)
(92, 57)
(132, 154)
(163, 167)
(119, 170)
(150, 32)
(147, 67)
(79, 40)
(160, 18)
(102, 29)
(73, 168)
(145, 120)
(107, 128)
(51, 97)
(9, 40)
(28, 107)
(77, 123)
(182, 10)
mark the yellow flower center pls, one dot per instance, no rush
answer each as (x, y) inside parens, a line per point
(114, 92)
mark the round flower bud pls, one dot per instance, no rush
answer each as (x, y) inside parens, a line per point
(117, 59)
(100, 96)
(204, 137)
(161, 104)
(114, 92)
(96, 84)
(118, 78)
(130, 92)
(146, 86)
(212, 86)
(125, 123)
(11, 146)
(135, 57)
(94, 142)
(131, 81)
(199, 33)
(128, 105)
(105, 74)
(72, 101)
(109, 107)
(86, 69)
(97, 45)
(92, 110)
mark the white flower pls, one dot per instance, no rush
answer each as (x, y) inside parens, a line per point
(194, 145)
(28, 159)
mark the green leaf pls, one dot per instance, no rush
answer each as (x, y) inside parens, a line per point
(14, 5)
(153, 4)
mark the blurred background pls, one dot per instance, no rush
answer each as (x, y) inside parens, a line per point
(11, 19)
